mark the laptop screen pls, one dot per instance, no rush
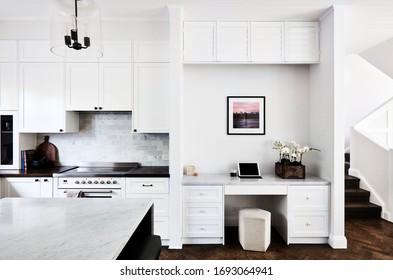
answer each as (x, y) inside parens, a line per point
(248, 169)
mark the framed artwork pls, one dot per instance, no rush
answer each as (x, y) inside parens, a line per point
(246, 115)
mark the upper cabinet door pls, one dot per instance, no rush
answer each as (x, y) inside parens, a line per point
(267, 41)
(116, 86)
(302, 41)
(116, 51)
(37, 51)
(151, 51)
(233, 42)
(8, 86)
(82, 86)
(8, 51)
(42, 97)
(200, 41)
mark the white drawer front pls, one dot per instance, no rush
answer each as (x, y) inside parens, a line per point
(309, 224)
(161, 227)
(202, 193)
(211, 211)
(147, 185)
(161, 202)
(314, 198)
(202, 228)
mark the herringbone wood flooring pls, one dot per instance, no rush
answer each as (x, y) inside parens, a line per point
(368, 239)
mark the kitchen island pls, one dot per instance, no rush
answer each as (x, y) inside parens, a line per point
(70, 229)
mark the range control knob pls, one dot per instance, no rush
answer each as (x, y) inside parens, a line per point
(77, 182)
(89, 182)
(114, 182)
(102, 182)
(83, 182)
(108, 182)
(95, 182)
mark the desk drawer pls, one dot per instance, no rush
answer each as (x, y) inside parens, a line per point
(202, 194)
(202, 228)
(147, 185)
(305, 198)
(309, 224)
(206, 211)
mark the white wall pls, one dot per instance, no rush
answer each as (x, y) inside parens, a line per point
(366, 88)
(206, 87)
(327, 119)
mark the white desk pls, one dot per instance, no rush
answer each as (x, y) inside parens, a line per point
(68, 229)
(301, 206)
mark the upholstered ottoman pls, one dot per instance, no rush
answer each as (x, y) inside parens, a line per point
(254, 229)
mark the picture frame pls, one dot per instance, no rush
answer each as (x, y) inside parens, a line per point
(246, 115)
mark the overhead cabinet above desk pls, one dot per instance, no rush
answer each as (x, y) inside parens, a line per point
(251, 42)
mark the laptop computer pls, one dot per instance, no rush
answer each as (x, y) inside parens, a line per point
(248, 170)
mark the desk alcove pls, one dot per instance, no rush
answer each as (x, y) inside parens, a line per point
(300, 207)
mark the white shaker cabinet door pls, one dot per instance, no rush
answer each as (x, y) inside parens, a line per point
(233, 42)
(151, 98)
(8, 86)
(42, 97)
(82, 86)
(200, 41)
(116, 86)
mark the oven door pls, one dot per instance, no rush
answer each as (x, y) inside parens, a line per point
(89, 193)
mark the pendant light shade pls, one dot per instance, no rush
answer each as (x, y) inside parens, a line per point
(75, 29)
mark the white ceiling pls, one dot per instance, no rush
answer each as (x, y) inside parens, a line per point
(195, 9)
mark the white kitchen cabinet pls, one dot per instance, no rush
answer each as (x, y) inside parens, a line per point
(27, 187)
(203, 215)
(200, 41)
(151, 51)
(42, 107)
(37, 51)
(8, 86)
(233, 43)
(8, 51)
(308, 210)
(151, 98)
(156, 189)
(267, 42)
(302, 42)
(99, 86)
(116, 51)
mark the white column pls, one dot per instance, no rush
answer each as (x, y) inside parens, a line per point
(176, 124)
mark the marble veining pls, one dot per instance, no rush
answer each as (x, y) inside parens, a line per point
(267, 179)
(67, 229)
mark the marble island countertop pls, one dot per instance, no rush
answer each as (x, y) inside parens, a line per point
(67, 229)
(267, 179)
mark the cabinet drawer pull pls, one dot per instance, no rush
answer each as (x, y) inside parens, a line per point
(202, 229)
(308, 198)
(202, 211)
(308, 224)
(147, 185)
(201, 194)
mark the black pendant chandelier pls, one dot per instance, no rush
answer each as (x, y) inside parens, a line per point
(76, 29)
(72, 40)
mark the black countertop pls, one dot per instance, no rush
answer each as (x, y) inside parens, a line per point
(141, 171)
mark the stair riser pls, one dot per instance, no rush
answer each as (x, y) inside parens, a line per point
(357, 198)
(352, 184)
(362, 214)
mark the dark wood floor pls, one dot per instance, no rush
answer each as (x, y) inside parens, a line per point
(368, 239)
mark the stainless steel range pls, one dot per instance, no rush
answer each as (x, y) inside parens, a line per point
(94, 180)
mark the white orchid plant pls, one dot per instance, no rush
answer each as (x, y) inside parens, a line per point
(291, 153)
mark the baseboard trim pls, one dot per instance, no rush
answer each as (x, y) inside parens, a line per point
(337, 242)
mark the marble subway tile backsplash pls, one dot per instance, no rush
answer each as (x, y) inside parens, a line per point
(108, 137)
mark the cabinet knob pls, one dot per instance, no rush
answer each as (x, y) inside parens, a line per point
(95, 108)
(46, 180)
(99, 108)
(61, 130)
(308, 224)
(201, 194)
(135, 130)
(37, 180)
(308, 198)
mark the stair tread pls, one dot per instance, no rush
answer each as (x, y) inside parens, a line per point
(349, 177)
(356, 192)
(361, 205)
